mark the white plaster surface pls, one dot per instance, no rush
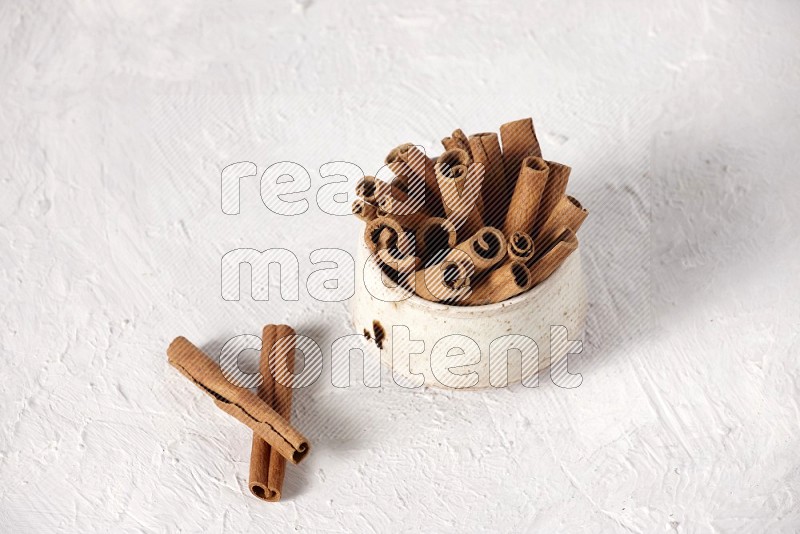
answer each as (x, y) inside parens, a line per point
(681, 122)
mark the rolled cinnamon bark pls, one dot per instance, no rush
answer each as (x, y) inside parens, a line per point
(388, 192)
(433, 236)
(519, 142)
(567, 213)
(267, 467)
(457, 140)
(372, 189)
(402, 173)
(532, 181)
(520, 247)
(367, 189)
(238, 402)
(407, 222)
(556, 187)
(382, 232)
(547, 263)
(363, 210)
(408, 199)
(485, 149)
(486, 248)
(508, 280)
(460, 184)
(445, 281)
(401, 183)
(401, 262)
(406, 206)
(409, 156)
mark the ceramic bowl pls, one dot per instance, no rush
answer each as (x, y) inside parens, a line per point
(466, 347)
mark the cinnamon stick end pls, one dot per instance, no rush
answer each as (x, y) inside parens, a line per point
(300, 452)
(264, 493)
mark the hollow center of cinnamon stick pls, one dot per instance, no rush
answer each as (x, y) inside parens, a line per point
(487, 246)
(376, 234)
(535, 163)
(436, 238)
(259, 491)
(520, 274)
(520, 242)
(452, 164)
(456, 172)
(451, 273)
(369, 188)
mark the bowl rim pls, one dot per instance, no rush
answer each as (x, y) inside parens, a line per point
(483, 309)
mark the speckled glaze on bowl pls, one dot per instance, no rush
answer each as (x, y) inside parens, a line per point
(381, 312)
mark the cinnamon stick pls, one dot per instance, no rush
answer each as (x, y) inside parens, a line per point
(457, 140)
(519, 142)
(508, 280)
(367, 189)
(434, 235)
(567, 213)
(399, 259)
(414, 159)
(401, 183)
(547, 263)
(448, 280)
(267, 467)
(460, 184)
(363, 210)
(402, 174)
(532, 181)
(486, 248)
(485, 149)
(553, 191)
(241, 403)
(382, 232)
(520, 247)
(372, 189)
(409, 220)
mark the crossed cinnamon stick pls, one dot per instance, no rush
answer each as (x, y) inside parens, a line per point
(266, 412)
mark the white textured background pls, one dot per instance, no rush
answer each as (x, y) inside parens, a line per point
(681, 122)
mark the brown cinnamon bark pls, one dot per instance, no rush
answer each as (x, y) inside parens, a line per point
(400, 259)
(460, 184)
(411, 157)
(508, 280)
(434, 237)
(556, 187)
(520, 247)
(407, 222)
(567, 213)
(546, 264)
(367, 189)
(457, 140)
(519, 142)
(401, 183)
(238, 402)
(267, 467)
(372, 189)
(382, 232)
(445, 281)
(485, 149)
(486, 248)
(363, 210)
(524, 205)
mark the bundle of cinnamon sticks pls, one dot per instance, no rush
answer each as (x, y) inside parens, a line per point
(266, 412)
(476, 225)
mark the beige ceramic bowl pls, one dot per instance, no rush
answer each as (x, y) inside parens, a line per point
(466, 346)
